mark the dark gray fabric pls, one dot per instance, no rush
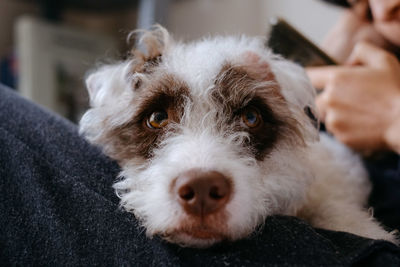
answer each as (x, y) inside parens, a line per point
(57, 208)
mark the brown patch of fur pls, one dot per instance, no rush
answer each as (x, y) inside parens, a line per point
(256, 67)
(135, 138)
(237, 89)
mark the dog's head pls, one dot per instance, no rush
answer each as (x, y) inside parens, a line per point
(212, 136)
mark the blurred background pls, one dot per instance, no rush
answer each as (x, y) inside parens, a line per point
(47, 46)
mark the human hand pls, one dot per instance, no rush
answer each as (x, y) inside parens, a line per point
(360, 103)
(355, 25)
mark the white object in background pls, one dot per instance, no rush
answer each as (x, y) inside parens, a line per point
(53, 60)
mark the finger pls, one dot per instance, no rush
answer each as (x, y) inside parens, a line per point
(321, 104)
(367, 54)
(360, 8)
(320, 76)
(331, 123)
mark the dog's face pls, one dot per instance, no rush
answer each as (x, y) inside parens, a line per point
(211, 136)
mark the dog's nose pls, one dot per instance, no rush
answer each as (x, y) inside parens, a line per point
(202, 192)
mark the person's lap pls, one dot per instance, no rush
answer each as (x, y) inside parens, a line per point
(57, 206)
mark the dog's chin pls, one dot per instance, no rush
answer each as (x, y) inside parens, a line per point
(200, 237)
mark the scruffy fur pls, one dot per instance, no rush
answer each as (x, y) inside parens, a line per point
(284, 166)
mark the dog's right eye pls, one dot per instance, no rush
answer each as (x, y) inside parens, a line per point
(157, 120)
(251, 117)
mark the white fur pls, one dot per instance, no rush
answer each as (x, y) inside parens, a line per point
(322, 181)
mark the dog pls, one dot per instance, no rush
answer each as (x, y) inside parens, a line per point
(215, 135)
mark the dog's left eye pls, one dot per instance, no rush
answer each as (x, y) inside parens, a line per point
(251, 117)
(157, 119)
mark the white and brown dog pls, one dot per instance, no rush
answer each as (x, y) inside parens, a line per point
(216, 135)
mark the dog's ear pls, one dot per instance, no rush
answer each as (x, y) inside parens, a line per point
(107, 82)
(94, 83)
(150, 47)
(110, 80)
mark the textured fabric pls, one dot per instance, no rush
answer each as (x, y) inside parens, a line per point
(57, 208)
(385, 197)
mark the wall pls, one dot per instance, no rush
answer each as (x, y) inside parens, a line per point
(9, 11)
(190, 19)
(313, 17)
